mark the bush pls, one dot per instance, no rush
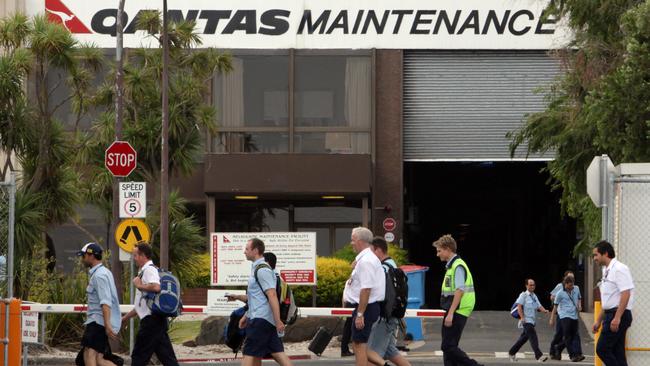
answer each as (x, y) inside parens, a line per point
(200, 275)
(398, 254)
(332, 274)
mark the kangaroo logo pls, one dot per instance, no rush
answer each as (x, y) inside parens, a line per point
(57, 12)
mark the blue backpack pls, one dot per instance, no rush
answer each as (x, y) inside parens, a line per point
(514, 311)
(167, 302)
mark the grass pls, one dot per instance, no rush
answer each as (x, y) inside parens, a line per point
(180, 332)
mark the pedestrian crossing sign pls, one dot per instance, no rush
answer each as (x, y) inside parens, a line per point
(131, 232)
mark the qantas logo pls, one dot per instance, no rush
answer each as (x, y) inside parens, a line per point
(57, 12)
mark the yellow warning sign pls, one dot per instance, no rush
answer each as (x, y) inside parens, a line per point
(131, 232)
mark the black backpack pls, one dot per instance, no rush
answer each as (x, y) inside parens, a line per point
(397, 292)
(232, 335)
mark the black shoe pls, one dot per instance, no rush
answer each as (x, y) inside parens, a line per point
(556, 356)
(346, 354)
(578, 358)
(403, 348)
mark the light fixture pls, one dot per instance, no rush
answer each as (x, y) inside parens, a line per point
(246, 197)
(333, 197)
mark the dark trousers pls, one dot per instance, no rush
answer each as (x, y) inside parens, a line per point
(347, 335)
(527, 335)
(569, 334)
(452, 354)
(557, 344)
(611, 345)
(153, 338)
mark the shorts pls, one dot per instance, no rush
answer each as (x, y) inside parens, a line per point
(261, 339)
(382, 338)
(95, 337)
(370, 316)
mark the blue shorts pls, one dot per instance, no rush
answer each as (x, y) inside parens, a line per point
(261, 339)
(370, 316)
(382, 338)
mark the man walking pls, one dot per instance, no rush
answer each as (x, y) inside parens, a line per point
(567, 306)
(528, 305)
(617, 296)
(103, 316)
(152, 336)
(364, 291)
(457, 299)
(382, 343)
(557, 343)
(262, 321)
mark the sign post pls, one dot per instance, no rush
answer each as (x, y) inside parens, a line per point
(133, 200)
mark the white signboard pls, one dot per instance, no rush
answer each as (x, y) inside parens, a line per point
(324, 24)
(30, 327)
(296, 253)
(133, 200)
(218, 304)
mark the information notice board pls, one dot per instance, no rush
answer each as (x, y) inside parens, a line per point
(296, 253)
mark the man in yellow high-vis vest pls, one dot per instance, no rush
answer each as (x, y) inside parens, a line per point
(457, 298)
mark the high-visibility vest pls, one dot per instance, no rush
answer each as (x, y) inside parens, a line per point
(449, 287)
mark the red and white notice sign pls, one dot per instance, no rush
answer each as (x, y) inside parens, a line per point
(296, 253)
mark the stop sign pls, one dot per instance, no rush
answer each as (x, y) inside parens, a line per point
(121, 158)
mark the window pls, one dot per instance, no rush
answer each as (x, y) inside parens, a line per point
(331, 97)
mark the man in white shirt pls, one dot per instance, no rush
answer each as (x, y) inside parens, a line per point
(152, 336)
(364, 291)
(617, 297)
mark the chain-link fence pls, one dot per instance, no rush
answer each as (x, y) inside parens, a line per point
(7, 204)
(631, 234)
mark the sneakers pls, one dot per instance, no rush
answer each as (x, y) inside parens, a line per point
(513, 358)
(578, 358)
(542, 358)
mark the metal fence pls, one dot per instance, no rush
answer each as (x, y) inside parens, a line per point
(7, 220)
(630, 224)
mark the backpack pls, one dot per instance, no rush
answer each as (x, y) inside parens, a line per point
(514, 311)
(233, 336)
(167, 302)
(288, 308)
(397, 290)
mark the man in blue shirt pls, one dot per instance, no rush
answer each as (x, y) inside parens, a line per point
(262, 321)
(528, 305)
(567, 306)
(103, 316)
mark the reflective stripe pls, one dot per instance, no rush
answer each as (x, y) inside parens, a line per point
(467, 289)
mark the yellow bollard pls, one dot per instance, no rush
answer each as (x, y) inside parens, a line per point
(15, 336)
(597, 310)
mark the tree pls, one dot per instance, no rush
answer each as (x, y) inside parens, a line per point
(191, 117)
(600, 105)
(46, 55)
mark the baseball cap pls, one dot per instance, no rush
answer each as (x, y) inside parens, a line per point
(90, 248)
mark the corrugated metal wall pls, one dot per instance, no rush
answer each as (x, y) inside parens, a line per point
(459, 105)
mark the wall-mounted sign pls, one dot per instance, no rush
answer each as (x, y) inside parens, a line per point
(324, 24)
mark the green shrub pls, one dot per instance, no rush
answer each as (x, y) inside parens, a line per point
(398, 254)
(332, 274)
(199, 276)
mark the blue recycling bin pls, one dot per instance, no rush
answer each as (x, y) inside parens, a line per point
(415, 275)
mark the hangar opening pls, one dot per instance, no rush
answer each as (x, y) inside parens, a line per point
(505, 219)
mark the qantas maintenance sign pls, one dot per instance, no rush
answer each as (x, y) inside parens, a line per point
(324, 24)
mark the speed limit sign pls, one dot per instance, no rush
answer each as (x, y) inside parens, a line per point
(133, 200)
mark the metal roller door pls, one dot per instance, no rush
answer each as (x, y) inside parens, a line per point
(459, 105)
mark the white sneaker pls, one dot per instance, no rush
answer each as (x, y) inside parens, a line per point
(513, 358)
(543, 358)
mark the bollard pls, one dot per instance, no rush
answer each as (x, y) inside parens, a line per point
(15, 337)
(597, 310)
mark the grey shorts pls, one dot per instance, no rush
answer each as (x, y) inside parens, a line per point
(382, 338)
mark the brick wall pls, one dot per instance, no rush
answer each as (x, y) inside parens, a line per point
(195, 296)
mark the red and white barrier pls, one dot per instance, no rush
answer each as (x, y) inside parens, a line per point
(191, 309)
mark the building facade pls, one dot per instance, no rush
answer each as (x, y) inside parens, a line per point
(337, 115)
